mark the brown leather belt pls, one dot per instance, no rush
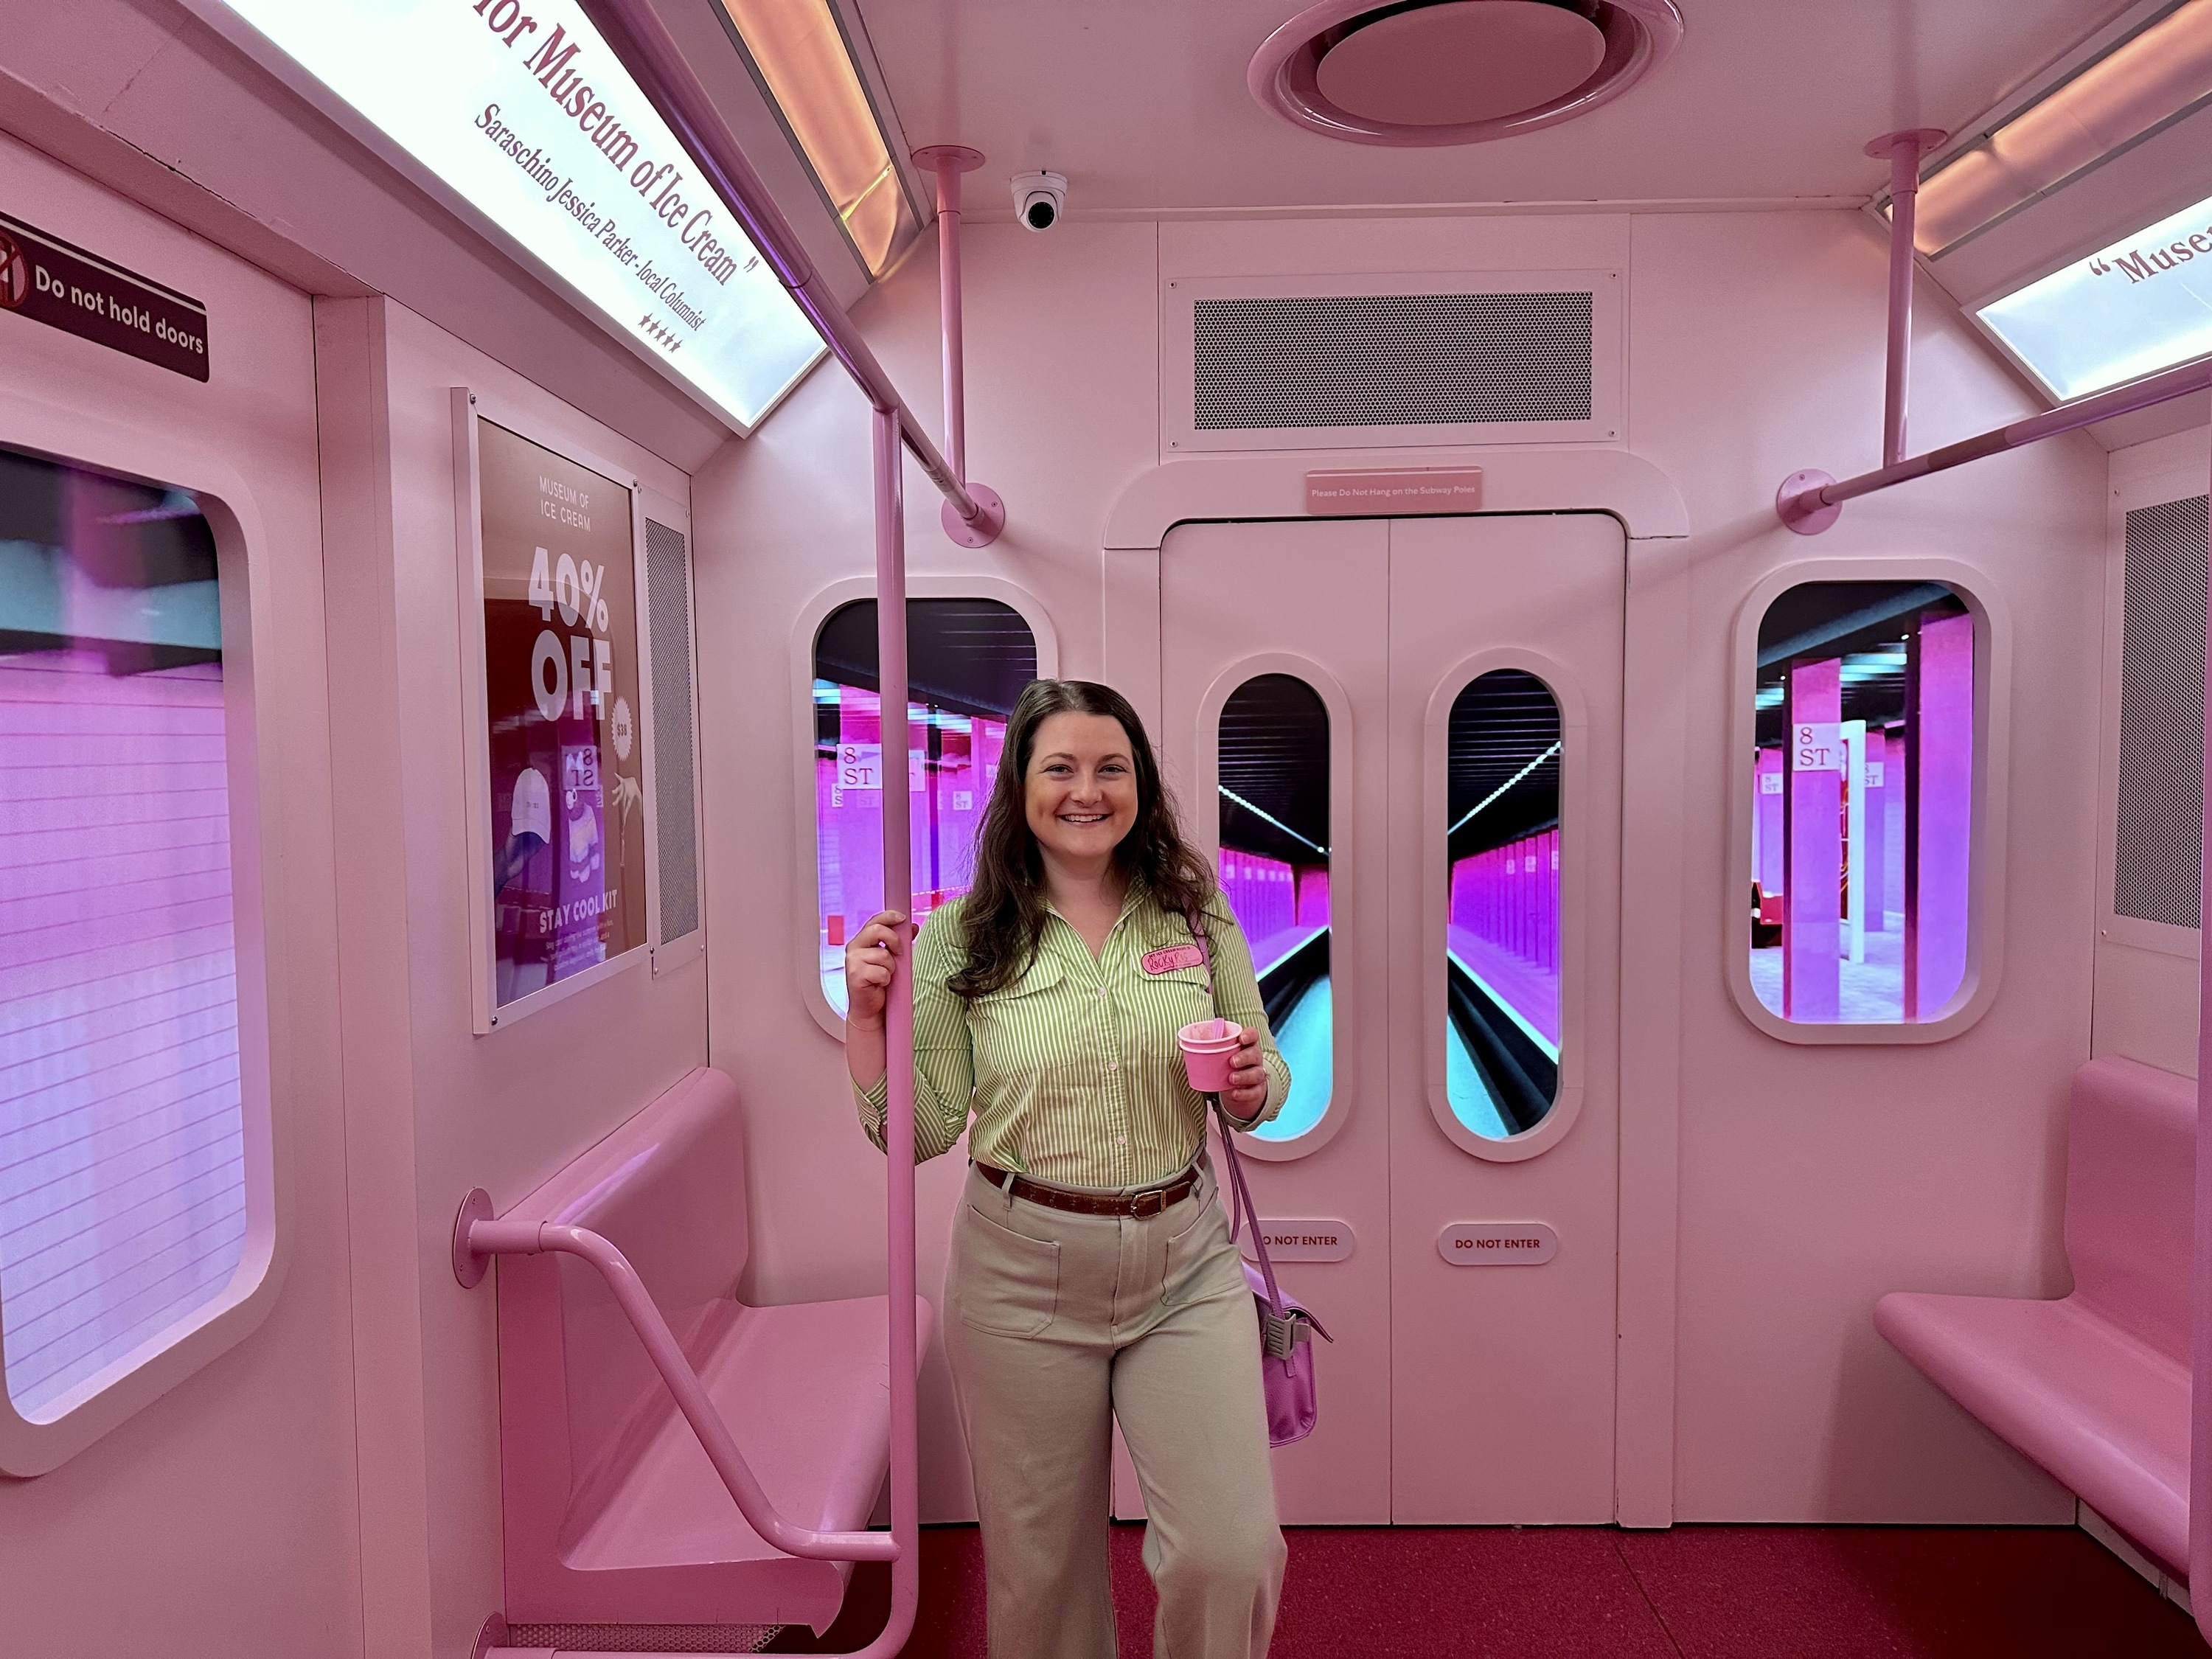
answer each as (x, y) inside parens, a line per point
(1149, 1202)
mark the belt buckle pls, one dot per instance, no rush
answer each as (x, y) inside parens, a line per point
(1146, 1205)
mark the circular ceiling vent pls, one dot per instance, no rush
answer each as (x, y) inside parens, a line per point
(1457, 71)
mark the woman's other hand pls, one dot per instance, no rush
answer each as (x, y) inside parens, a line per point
(869, 956)
(1248, 1077)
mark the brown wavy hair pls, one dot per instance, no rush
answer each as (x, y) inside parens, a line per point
(1003, 918)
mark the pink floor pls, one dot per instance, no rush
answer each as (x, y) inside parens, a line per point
(1594, 1593)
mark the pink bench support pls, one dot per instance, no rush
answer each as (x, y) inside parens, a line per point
(2093, 1386)
(638, 1398)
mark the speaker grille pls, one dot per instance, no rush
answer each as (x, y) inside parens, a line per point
(668, 606)
(2157, 849)
(643, 1638)
(1391, 360)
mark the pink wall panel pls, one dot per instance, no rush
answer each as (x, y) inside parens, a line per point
(225, 1512)
(433, 1109)
(1814, 1178)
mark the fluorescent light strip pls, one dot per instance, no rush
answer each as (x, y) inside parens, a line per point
(2153, 76)
(802, 59)
(1258, 812)
(1493, 795)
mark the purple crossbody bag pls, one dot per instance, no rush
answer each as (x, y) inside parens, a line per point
(1286, 1326)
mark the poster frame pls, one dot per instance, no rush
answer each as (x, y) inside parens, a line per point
(666, 509)
(468, 407)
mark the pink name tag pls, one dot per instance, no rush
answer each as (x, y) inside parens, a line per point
(1168, 957)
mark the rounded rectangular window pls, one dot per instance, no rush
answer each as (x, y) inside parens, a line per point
(1862, 832)
(1502, 922)
(968, 660)
(125, 1170)
(1273, 768)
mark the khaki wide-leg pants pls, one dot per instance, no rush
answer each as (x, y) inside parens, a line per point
(1055, 1324)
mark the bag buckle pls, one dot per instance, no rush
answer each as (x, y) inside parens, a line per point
(1281, 1332)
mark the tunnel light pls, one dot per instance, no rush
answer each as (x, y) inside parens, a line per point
(1227, 793)
(527, 122)
(2139, 306)
(802, 58)
(2153, 77)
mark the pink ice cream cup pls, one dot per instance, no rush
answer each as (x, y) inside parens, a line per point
(1206, 1048)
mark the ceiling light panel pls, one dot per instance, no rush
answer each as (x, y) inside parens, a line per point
(529, 126)
(2141, 305)
(799, 53)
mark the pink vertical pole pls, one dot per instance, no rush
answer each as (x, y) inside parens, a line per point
(1903, 150)
(2200, 1370)
(1811, 910)
(948, 162)
(898, 1029)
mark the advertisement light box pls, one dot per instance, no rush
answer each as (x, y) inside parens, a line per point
(526, 115)
(2141, 305)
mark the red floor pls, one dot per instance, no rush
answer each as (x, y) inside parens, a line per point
(1594, 1592)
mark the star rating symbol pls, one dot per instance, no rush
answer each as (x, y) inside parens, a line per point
(652, 330)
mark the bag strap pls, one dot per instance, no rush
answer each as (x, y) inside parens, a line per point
(1241, 1208)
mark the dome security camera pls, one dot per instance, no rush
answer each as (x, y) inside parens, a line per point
(1040, 198)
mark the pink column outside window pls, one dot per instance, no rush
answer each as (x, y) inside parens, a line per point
(1874, 857)
(1943, 731)
(1812, 985)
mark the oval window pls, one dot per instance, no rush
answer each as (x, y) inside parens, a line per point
(1502, 923)
(968, 660)
(1273, 770)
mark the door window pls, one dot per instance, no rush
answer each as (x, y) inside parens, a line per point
(1274, 775)
(124, 1170)
(1502, 924)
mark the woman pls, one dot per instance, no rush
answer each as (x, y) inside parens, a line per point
(1092, 1277)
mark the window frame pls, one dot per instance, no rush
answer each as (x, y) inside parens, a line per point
(1978, 592)
(817, 610)
(30, 1447)
(1344, 846)
(1574, 994)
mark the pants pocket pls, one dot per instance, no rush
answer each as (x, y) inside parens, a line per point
(1003, 1281)
(1201, 1258)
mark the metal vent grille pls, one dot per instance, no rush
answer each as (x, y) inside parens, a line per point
(644, 1638)
(668, 614)
(2157, 849)
(1391, 360)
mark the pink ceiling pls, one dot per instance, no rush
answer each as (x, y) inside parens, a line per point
(1142, 102)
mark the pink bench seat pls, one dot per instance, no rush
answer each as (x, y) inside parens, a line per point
(2095, 1385)
(612, 1512)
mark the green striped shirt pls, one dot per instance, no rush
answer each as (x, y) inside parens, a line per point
(1072, 1071)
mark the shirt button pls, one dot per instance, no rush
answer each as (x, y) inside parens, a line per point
(1120, 1140)
(1113, 1065)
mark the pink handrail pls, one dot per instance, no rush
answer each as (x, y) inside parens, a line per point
(483, 1237)
(641, 39)
(1808, 502)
